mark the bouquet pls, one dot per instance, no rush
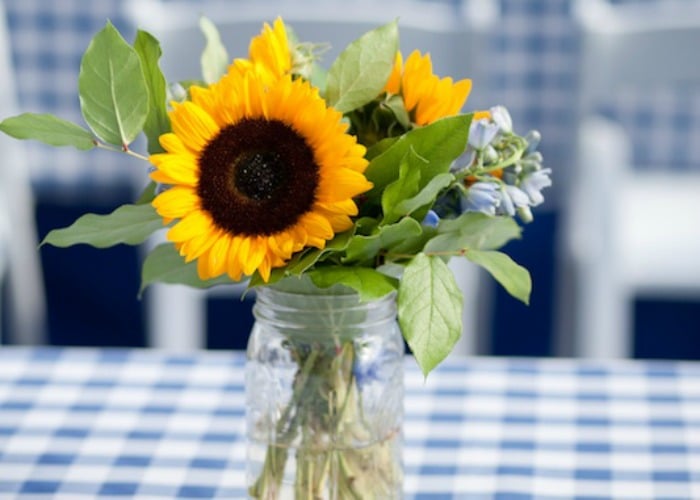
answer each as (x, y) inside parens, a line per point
(273, 169)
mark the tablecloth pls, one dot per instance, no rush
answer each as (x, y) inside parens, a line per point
(78, 423)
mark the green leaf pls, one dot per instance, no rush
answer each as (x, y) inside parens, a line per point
(148, 194)
(363, 248)
(430, 310)
(421, 201)
(369, 283)
(113, 90)
(165, 265)
(157, 121)
(130, 224)
(47, 129)
(474, 231)
(379, 147)
(412, 245)
(361, 71)
(214, 59)
(395, 104)
(405, 186)
(513, 277)
(441, 142)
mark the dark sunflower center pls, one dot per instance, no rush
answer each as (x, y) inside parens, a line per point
(257, 177)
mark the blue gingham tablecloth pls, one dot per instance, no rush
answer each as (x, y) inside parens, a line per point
(89, 423)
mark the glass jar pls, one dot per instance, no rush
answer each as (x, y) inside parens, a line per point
(324, 396)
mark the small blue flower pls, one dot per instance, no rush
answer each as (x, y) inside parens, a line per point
(533, 183)
(481, 197)
(501, 117)
(431, 219)
(481, 133)
(512, 197)
(533, 139)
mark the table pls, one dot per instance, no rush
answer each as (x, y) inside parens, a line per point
(78, 423)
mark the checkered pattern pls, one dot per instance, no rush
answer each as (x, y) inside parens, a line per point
(135, 423)
(532, 62)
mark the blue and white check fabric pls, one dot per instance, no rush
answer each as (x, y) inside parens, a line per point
(85, 423)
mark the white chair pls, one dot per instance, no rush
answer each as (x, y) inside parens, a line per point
(452, 34)
(19, 254)
(627, 232)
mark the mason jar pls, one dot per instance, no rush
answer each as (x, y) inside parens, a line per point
(324, 396)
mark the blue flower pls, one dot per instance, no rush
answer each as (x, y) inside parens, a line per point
(481, 197)
(533, 139)
(502, 118)
(431, 219)
(511, 197)
(533, 183)
(481, 133)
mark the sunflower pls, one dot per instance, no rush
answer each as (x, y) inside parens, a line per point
(269, 53)
(257, 171)
(426, 96)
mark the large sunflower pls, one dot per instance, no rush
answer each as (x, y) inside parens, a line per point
(258, 171)
(426, 96)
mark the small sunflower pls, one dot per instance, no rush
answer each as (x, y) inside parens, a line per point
(269, 53)
(426, 96)
(258, 171)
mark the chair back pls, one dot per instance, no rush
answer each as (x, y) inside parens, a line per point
(642, 44)
(625, 231)
(20, 264)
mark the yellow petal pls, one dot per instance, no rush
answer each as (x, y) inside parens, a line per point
(193, 125)
(176, 202)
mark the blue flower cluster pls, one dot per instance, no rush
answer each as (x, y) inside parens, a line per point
(504, 173)
(501, 172)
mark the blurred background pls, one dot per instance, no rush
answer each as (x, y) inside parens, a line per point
(532, 56)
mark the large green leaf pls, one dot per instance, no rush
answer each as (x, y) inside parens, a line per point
(361, 71)
(165, 265)
(113, 90)
(47, 129)
(157, 121)
(369, 283)
(406, 186)
(419, 204)
(130, 224)
(473, 230)
(513, 277)
(430, 310)
(440, 143)
(364, 248)
(214, 58)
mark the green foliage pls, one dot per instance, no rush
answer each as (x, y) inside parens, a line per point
(47, 129)
(148, 194)
(361, 71)
(130, 224)
(165, 265)
(513, 277)
(430, 310)
(214, 58)
(113, 91)
(473, 230)
(366, 248)
(157, 121)
(369, 283)
(440, 143)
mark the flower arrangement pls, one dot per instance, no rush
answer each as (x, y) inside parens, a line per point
(272, 169)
